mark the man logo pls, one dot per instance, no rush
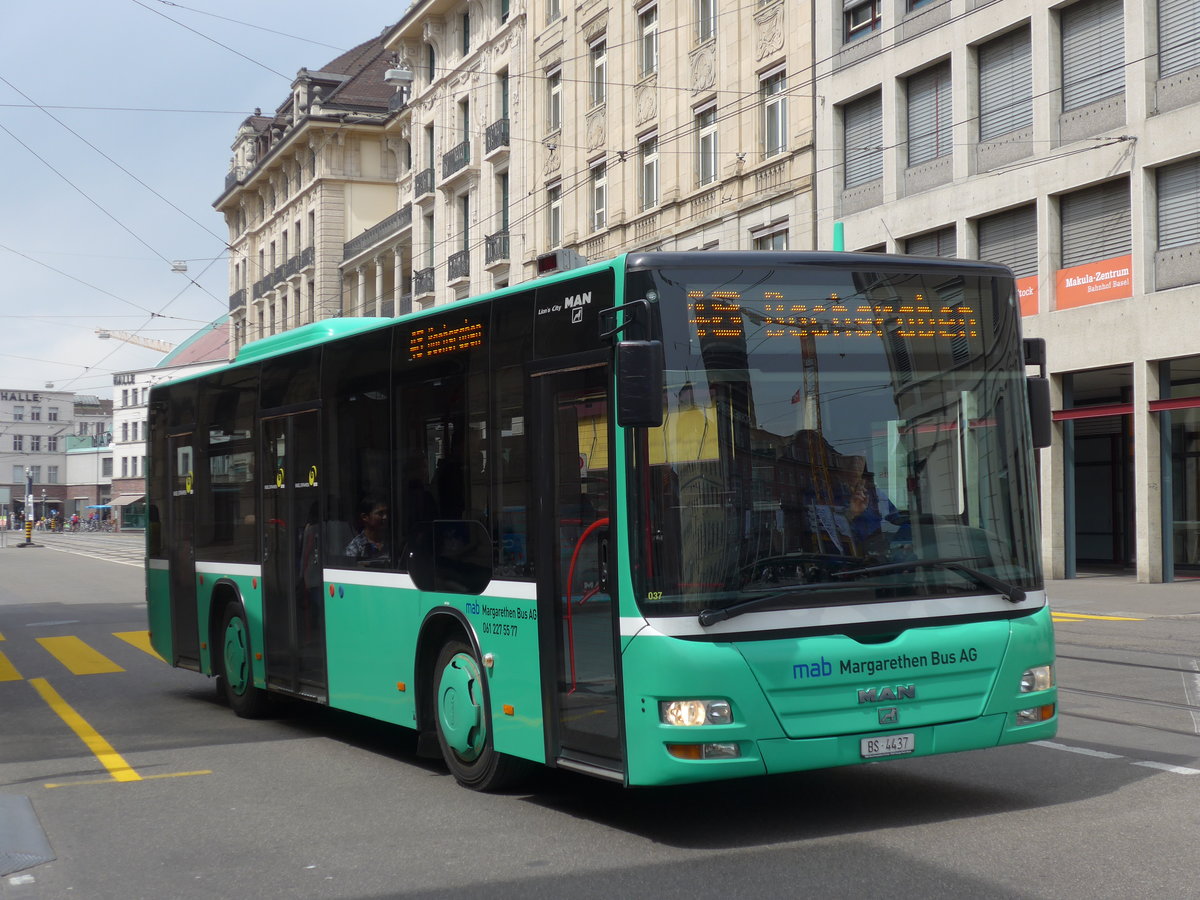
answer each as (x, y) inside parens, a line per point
(577, 315)
(889, 715)
(899, 692)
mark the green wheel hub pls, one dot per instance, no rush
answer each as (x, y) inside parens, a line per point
(237, 655)
(460, 707)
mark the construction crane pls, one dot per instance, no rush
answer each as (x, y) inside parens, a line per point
(149, 343)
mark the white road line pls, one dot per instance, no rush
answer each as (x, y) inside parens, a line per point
(1100, 754)
(1083, 750)
(1167, 767)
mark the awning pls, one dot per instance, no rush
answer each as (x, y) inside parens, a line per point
(126, 499)
(97, 506)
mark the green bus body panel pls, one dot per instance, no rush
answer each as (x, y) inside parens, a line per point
(371, 635)
(789, 716)
(158, 611)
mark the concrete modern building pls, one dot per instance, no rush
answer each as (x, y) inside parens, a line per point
(1060, 139)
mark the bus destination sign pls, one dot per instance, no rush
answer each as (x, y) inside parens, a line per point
(439, 338)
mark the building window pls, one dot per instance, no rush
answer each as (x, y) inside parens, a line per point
(706, 19)
(862, 19)
(554, 100)
(930, 119)
(1178, 204)
(1093, 52)
(52, 443)
(502, 198)
(1178, 36)
(599, 55)
(706, 145)
(772, 240)
(933, 243)
(553, 10)
(18, 414)
(466, 33)
(648, 171)
(124, 431)
(52, 414)
(18, 442)
(505, 6)
(648, 48)
(429, 240)
(464, 209)
(1095, 223)
(599, 196)
(35, 414)
(774, 109)
(37, 474)
(106, 467)
(1005, 85)
(35, 443)
(52, 474)
(430, 63)
(124, 466)
(862, 125)
(133, 467)
(1010, 238)
(554, 215)
(18, 475)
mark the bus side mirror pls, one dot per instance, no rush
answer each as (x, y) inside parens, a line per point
(1039, 410)
(640, 384)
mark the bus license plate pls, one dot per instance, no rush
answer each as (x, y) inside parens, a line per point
(892, 745)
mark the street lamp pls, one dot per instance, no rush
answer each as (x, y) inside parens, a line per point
(44, 516)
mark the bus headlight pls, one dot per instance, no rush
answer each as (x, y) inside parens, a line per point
(695, 712)
(1039, 678)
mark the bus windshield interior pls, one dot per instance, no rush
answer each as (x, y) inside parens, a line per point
(824, 425)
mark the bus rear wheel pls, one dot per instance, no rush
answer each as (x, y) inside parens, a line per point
(464, 723)
(237, 674)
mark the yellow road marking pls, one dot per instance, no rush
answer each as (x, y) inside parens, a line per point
(1065, 616)
(139, 639)
(101, 749)
(8, 672)
(1, 637)
(113, 781)
(78, 657)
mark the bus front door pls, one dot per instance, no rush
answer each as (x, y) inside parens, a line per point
(293, 603)
(181, 551)
(575, 595)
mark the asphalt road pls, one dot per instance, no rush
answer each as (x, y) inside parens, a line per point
(312, 803)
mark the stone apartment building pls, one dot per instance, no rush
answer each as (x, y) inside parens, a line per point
(508, 129)
(1060, 139)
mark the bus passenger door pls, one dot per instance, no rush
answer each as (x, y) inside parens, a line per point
(579, 636)
(181, 550)
(293, 602)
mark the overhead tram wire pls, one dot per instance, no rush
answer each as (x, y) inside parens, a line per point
(294, 37)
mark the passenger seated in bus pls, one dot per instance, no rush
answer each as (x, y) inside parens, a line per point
(371, 541)
(868, 515)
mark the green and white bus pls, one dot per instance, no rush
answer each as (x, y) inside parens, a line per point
(668, 518)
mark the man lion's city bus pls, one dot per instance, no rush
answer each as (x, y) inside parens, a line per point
(668, 518)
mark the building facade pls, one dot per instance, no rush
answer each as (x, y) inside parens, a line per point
(1059, 139)
(34, 427)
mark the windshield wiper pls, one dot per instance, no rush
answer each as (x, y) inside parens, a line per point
(1009, 592)
(713, 616)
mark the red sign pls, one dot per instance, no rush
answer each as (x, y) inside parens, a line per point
(1027, 294)
(1095, 282)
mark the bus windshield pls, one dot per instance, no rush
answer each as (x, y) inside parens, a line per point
(825, 425)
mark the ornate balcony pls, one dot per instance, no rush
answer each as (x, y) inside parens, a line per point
(423, 183)
(495, 248)
(459, 265)
(379, 232)
(456, 160)
(423, 281)
(496, 137)
(308, 256)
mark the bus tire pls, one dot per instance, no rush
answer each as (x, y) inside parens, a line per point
(236, 666)
(464, 723)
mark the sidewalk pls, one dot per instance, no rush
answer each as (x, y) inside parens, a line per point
(1117, 595)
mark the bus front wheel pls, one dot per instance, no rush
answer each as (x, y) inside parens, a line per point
(464, 723)
(237, 676)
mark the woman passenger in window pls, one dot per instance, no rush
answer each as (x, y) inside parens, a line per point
(371, 541)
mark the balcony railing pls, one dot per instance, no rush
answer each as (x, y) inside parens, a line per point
(495, 247)
(380, 231)
(307, 257)
(456, 159)
(291, 267)
(497, 135)
(423, 183)
(459, 265)
(237, 298)
(423, 281)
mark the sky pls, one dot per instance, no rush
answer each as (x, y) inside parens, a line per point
(116, 120)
